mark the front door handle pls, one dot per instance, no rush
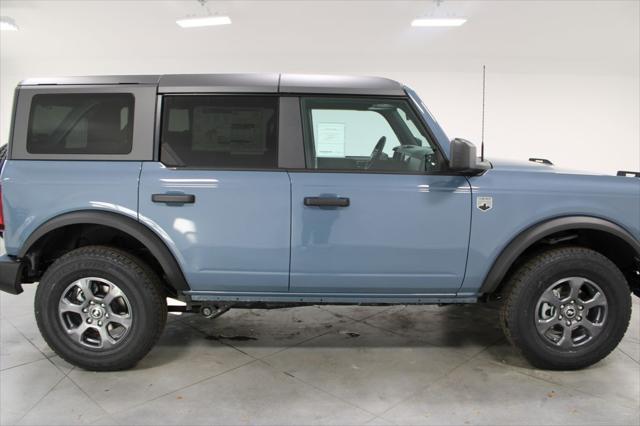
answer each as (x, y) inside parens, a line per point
(174, 198)
(326, 202)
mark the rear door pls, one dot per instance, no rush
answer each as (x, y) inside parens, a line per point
(375, 212)
(216, 196)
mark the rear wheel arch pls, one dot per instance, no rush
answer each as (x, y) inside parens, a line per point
(41, 242)
(601, 235)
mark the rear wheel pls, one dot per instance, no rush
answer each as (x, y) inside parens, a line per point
(100, 308)
(566, 308)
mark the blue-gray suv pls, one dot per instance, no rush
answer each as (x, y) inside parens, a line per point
(273, 190)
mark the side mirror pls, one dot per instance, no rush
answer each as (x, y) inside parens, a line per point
(463, 158)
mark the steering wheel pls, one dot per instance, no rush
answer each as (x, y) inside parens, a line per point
(377, 152)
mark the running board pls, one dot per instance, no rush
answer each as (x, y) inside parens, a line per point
(331, 298)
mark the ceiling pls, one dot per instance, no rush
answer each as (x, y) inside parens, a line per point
(329, 36)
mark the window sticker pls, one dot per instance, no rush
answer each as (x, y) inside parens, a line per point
(330, 142)
(222, 130)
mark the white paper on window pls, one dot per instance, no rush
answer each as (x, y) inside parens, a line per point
(330, 142)
(228, 131)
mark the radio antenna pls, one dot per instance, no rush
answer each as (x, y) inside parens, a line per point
(484, 86)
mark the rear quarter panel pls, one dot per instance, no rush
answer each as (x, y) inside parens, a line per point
(522, 199)
(35, 191)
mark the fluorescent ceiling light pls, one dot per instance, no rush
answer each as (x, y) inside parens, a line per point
(438, 22)
(203, 21)
(7, 24)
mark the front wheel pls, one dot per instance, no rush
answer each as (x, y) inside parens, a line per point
(566, 308)
(100, 308)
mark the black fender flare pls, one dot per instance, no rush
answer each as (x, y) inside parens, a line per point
(128, 225)
(530, 236)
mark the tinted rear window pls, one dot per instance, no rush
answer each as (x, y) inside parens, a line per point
(92, 123)
(220, 132)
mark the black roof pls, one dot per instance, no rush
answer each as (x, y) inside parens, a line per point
(238, 83)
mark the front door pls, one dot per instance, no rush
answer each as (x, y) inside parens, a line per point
(216, 196)
(375, 212)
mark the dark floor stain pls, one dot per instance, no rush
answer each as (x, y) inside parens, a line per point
(350, 333)
(403, 322)
(293, 335)
(235, 338)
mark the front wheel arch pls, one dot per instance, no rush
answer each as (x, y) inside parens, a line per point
(591, 232)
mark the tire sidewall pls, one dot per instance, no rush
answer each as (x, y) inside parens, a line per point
(55, 282)
(595, 268)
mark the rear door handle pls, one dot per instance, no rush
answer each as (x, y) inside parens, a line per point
(174, 198)
(326, 202)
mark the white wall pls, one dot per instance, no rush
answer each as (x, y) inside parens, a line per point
(556, 88)
(579, 121)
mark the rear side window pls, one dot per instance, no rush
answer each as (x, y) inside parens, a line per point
(220, 132)
(91, 123)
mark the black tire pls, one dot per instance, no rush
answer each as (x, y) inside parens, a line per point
(140, 285)
(521, 309)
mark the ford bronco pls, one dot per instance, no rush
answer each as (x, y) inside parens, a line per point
(274, 190)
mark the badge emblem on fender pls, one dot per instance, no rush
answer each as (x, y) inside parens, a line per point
(484, 203)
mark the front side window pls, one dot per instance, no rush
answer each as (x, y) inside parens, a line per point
(220, 132)
(79, 123)
(366, 134)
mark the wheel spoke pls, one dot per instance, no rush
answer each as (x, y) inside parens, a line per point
(67, 306)
(592, 329)
(544, 325)
(106, 341)
(597, 300)
(566, 342)
(85, 286)
(114, 293)
(78, 332)
(550, 297)
(123, 320)
(575, 284)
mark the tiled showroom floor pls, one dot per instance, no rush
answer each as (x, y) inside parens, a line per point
(316, 365)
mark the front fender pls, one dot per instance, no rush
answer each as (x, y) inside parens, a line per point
(541, 230)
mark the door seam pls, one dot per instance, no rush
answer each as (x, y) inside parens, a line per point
(290, 229)
(139, 189)
(466, 263)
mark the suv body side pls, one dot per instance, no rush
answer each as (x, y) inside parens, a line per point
(249, 235)
(244, 238)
